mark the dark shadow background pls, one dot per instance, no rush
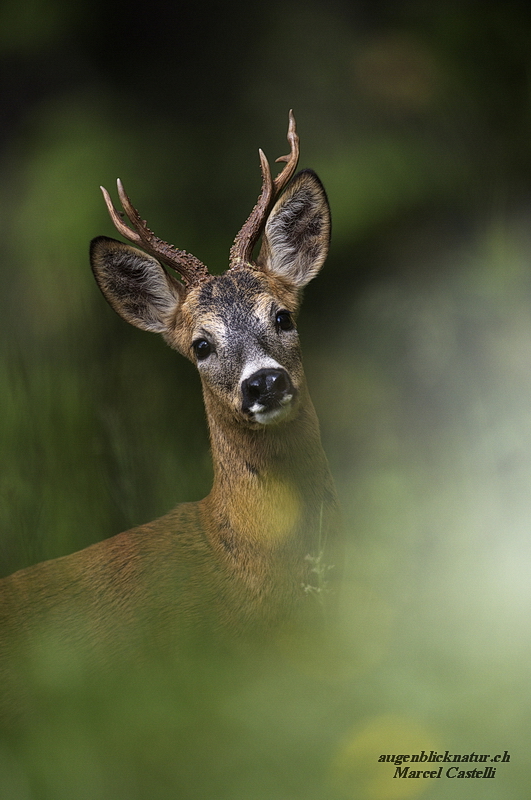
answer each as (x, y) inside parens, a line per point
(417, 341)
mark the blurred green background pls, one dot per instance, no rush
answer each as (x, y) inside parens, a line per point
(417, 343)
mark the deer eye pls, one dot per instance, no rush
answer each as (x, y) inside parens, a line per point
(202, 349)
(284, 322)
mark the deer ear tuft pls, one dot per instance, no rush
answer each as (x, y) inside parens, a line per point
(297, 232)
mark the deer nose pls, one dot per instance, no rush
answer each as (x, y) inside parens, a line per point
(267, 388)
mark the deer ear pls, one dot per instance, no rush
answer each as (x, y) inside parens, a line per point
(297, 232)
(134, 284)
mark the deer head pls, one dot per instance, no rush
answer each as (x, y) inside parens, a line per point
(238, 327)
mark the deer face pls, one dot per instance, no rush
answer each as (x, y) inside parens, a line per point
(238, 328)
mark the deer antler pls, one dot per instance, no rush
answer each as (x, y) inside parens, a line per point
(242, 249)
(188, 266)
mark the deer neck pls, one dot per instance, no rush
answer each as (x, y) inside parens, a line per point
(272, 492)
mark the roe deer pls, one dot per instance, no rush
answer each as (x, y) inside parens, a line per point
(258, 547)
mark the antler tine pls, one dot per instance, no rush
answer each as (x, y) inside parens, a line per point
(118, 222)
(191, 270)
(242, 249)
(291, 160)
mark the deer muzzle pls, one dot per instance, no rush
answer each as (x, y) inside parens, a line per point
(267, 395)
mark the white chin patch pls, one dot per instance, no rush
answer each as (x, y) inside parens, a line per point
(270, 416)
